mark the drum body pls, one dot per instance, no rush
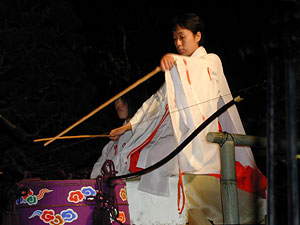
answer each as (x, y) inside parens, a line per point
(58, 202)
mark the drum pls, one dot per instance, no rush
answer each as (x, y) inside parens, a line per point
(58, 202)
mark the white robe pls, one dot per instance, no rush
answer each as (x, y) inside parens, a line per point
(153, 209)
(110, 151)
(194, 89)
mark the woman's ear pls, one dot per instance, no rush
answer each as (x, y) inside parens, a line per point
(198, 36)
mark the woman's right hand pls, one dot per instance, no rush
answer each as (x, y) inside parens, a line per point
(167, 62)
(117, 132)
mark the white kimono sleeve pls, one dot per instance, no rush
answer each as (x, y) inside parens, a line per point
(112, 151)
(96, 171)
(193, 94)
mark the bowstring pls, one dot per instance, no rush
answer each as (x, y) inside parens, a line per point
(244, 90)
(64, 146)
(154, 117)
(171, 112)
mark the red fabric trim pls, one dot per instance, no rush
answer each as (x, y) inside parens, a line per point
(187, 72)
(135, 153)
(179, 191)
(133, 161)
(249, 179)
(116, 149)
(151, 135)
(220, 127)
(188, 77)
(208, 73)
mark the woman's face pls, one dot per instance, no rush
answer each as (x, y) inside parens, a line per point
(122, 109)
(186, 42)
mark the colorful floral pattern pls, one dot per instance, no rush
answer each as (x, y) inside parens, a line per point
(122, 217)
(76, 196)
(31, 198)
(123, 194)
(59, 220)
(49, 216)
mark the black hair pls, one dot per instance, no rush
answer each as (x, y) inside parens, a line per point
(189, 21)
(134, 100)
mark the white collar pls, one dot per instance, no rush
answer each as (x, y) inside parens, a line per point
(199, 52)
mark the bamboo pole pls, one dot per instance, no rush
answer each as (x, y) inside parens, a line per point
(239, 139)
(138, 82)
(229, 184)
(248, 140)
(72, 137)
(228, 174)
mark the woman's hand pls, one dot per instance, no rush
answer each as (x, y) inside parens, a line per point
(116, 133)
(167, 62)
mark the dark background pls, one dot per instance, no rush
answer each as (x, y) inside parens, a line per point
(60, 59)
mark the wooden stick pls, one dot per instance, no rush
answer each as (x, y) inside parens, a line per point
(143, 79)
(72, 137)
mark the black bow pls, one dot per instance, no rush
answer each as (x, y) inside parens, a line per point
(184, 143)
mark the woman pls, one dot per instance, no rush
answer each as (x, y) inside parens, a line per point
(144, 208)
(110, 151)
(200, 160)
(125, 106)
(186, 39)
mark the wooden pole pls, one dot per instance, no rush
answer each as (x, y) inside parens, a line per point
(72, 137)
(228, 175)
(143, 79)
(229, 184)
